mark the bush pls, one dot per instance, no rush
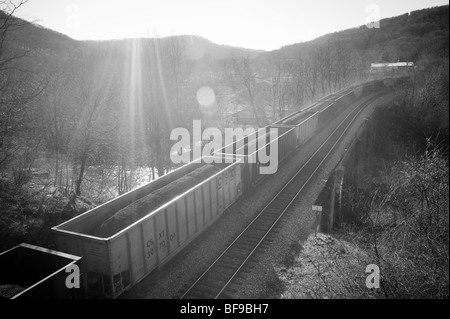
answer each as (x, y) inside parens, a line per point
(407, 229)
(27, 215)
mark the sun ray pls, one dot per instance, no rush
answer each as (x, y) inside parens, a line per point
(160, 72)
(134, 89)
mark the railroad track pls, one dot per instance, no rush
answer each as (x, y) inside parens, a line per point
(216, 279)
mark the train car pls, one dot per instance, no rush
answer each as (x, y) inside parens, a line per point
(254, 142)
(285, 145)
(330, 109)
(346, 98)
(326, 114)
(31, 272)
(388, 83)
(114, 264)
(307, 128)
(320, 106)
(287, 141)
(262, 142)
(332, 97)
(349, 96)
(358, 92)
(304, 123)
(378, 85)
(367, 88)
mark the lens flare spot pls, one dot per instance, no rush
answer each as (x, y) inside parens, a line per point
(206, 96)
(206, 99)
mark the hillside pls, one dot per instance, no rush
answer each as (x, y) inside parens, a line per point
(407, 37)
(54, 43)
(195, 47)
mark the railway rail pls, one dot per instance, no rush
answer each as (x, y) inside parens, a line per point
(216, 280)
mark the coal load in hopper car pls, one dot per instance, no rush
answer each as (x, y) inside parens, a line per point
(157, 198)
(31, 272)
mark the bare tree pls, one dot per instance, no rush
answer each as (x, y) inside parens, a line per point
(312, 75)
(342, 58)
(9, 23)
(324, 54)
(95, 123)
(277, 86)
(174, 62)
(58, 106)
(296, 71)
(247, 78)
(19, 88)
(158, 111)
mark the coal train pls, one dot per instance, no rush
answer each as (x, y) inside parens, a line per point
(182, 205)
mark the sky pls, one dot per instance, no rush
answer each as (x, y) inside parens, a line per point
(255, 24)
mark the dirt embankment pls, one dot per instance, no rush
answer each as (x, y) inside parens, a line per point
(327, 267)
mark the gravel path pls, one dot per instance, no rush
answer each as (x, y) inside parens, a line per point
(262, 281)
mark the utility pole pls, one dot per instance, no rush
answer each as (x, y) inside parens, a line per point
(317, 211)
(414, 86)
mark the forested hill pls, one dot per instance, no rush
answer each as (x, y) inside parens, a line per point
(407, 37)
(44, 40)
(195, 47)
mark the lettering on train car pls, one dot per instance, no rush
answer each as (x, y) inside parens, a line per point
(150, 248)
(172, 237)
(162, 242)
(117, 283)
(219, 182)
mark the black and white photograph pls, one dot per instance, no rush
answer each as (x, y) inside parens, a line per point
(227, 157)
